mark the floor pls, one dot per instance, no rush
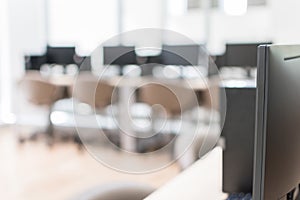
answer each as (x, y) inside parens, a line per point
(34, 171)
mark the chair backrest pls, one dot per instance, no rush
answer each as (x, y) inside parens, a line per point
(118, 191)
(39, 91)
(174, 99)
(88, 89)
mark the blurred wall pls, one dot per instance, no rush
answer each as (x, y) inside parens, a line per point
(84, 23)
(254, 26)
(25, 28)
(22, 29)
(285, 21)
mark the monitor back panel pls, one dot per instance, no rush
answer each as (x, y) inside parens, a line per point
(180, 55)
(277, 169)
(238, 131)
(244, 55)
(35, 62)
(61, 55)
(119, 55)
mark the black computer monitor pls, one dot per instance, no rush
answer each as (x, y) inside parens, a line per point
(238, 119)
(119, 55)
(277, 142)
(84, 63)
(242, 55)
(180, 55)
(220, 60)
(60, 55)
(35, 62)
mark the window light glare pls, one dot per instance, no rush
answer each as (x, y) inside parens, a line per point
(9, 118)
(235, 7)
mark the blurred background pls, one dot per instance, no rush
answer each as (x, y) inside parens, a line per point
(46, 44)
(27, 27)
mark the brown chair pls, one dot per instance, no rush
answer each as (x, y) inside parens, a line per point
(39, 91)
(96, 93)
(174, 100)
(117, 191)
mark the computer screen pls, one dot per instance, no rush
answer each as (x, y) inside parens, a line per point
(277, 143)
(119, 55)
(242, 55)
(238, 132)
(60, 55)
(180, 55)
(220, 60)
(35, 62)
(84, 63)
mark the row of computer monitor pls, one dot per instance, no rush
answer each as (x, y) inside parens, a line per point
(183, 55)
(56, 55)
(262, 128)
(118, 55)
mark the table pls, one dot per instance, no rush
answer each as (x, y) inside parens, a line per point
(202, 180)
(62, 80)
(127, 87)
(121, 81)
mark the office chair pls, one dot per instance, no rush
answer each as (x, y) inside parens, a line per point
(167, 96)
(117, 191)
(40, 92)
(97, 94)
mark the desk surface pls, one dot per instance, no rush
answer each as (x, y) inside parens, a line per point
(121, 81)
(62, 80)
(203, 180)
(195, 84)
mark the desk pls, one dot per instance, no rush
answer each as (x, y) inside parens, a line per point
(62, 80)
(121, 81)
(135, 82)
(128, 85)
(201, 181)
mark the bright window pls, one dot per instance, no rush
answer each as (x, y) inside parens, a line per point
(84, 23)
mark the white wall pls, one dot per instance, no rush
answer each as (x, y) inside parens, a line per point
(141, 14)
(285, 21)
(23, 31)
(4, 61)
(23, 28)
(84, 23)
(252, 27)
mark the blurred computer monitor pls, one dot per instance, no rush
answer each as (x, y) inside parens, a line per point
(60, 55)
(35, 62)
(220, 60)
(277, 143)
(119, 55)
(184, 55)
(84, 63)
(238, 131)
(243, 54)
